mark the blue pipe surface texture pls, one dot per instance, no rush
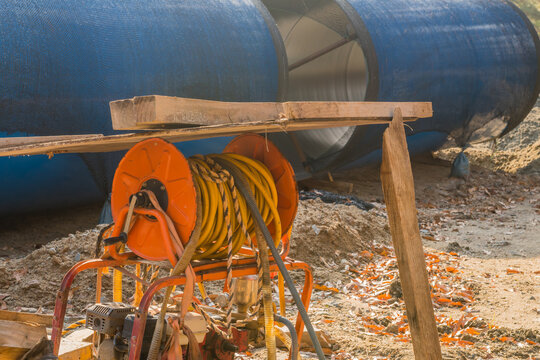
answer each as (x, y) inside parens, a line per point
(478, 61)
(61, 62)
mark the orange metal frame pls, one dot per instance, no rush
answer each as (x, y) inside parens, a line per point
(205, 272)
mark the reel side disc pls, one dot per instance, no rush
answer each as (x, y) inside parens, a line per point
(257, 147)
(158, 166)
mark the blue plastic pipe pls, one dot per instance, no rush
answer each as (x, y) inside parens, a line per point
(478, 61)
(61, 62)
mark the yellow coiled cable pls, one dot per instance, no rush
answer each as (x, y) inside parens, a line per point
(220, 203)
(218, 193)
(209, 176)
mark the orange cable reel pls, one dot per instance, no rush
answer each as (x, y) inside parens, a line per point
(158, 166)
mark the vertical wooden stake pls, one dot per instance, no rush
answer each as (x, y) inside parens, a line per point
(398, 188)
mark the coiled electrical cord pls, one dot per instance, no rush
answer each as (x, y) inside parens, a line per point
(225, 225)
(219, 199)
(226, 222)
(239, 229)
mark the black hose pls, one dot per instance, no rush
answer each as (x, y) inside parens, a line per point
(294, 335)
(119, 343)
(244, 188)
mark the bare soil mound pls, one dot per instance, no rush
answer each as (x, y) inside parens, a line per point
(324, 233)
(33, 281)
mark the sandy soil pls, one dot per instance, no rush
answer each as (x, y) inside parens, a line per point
(492, 223)
(20, 234)
(489, 222)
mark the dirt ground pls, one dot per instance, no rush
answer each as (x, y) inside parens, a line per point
(20, 235)
(491, 224)
(481, 240)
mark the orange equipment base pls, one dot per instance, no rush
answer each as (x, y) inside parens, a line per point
(211, 271)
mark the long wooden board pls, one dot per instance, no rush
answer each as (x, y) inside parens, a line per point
(398, 188)
(20, 335)
(41, 319)
(28, 140)
(157, 112)
(100, 143)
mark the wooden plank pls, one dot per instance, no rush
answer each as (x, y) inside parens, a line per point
(41, 319)
(27, 140)
(75, 350)
(151, 112)
(20, 335)
(398, 188)
(126, 141)
(337, 110)
(11, 353)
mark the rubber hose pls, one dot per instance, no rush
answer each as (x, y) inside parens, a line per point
(294, 337)
(180, 267)
(117, 286)
(218, 182)
(212, 182)
(285, 339)
(243, 187)
(138, 287)
(268, 304)
(211, 241)
(281, 288)
(117, 275)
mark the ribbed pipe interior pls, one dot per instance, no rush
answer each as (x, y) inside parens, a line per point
(341, 74)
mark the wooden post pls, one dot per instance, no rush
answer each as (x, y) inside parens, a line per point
(398, 188)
